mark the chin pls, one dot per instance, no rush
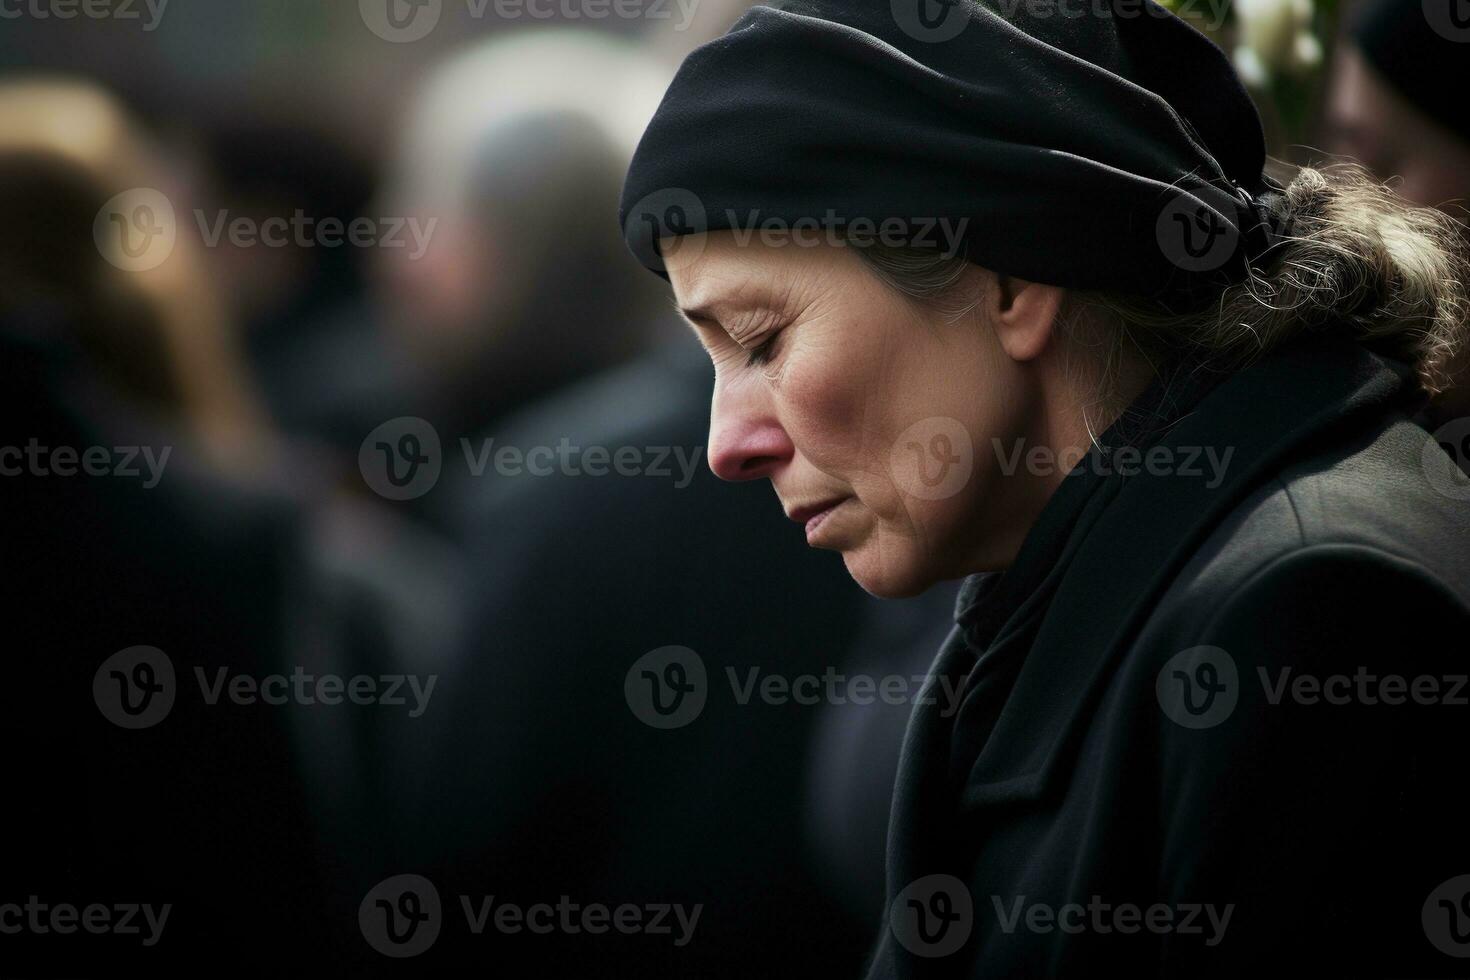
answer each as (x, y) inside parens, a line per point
(886, 576)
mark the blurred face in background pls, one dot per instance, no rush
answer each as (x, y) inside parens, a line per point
(1369, 120)
(441, 301)
(872, 416)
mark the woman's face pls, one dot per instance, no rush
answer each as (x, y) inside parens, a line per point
(873, 418)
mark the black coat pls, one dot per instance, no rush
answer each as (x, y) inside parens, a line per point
(1143, 768)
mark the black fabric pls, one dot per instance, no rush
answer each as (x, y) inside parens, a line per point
(1428, 61)
(1000, 613)
(1336, 540)
(206, 811)
(1070, 148)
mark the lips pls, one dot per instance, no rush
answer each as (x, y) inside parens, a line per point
(806, 512)
(812, 515)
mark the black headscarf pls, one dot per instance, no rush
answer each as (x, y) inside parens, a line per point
(1096, 144)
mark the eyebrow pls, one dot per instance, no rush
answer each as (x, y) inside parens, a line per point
(706, 312)
(712, 314)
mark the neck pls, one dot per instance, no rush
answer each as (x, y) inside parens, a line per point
(1061, 417)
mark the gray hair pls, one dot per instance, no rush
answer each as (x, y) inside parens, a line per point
(1358, 261)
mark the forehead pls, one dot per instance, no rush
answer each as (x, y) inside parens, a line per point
(717, 271)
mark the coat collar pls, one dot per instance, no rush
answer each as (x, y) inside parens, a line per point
(1262, 414)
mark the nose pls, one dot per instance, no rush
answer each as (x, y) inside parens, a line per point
(746, 442)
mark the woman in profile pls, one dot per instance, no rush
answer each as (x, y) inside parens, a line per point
(1005, 293)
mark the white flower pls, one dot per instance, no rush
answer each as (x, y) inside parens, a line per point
(1275, 38)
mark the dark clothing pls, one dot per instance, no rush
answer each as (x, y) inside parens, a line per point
(543, 782)
(1125, 739)
(203, 810)
(855, 747)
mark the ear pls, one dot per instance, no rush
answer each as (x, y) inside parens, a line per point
(1023, 314)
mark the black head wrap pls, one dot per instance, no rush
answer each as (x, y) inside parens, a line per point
(1094, 144)
(1423, 49)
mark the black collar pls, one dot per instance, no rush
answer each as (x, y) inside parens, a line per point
(1149, 531)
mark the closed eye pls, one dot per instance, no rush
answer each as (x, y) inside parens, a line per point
(761, 353)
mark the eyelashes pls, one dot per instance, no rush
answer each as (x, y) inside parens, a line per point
(761, 353)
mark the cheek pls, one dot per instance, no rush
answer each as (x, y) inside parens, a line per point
(952, 397)
(834, 388)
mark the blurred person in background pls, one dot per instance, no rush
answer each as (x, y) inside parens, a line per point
(142, 509)
(157, 333)
(1396, 102)
(511, 153)
(211, 539)
(541, 780)
(544, 780)
(306, 324)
